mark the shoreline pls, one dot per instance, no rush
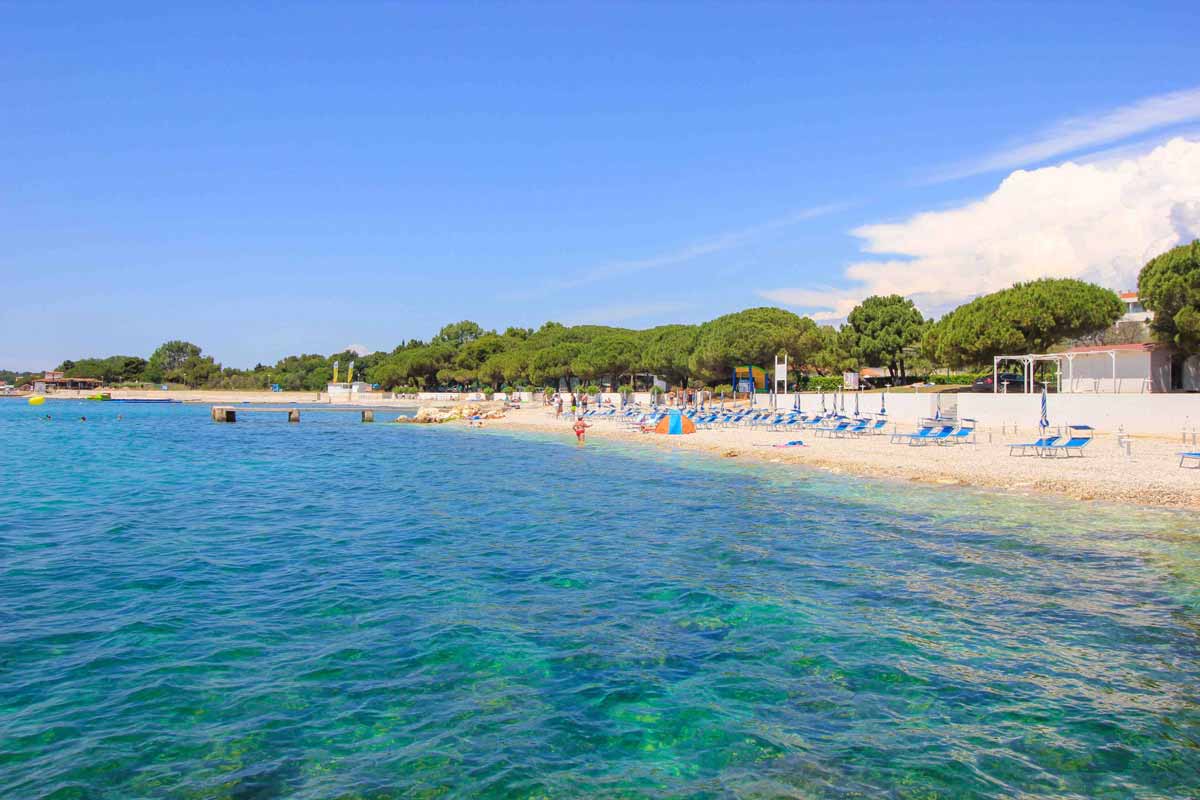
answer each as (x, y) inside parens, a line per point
(1151, 479)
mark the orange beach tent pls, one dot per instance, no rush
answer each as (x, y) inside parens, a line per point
(675, 424)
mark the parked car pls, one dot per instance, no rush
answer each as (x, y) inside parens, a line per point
(1009, 382)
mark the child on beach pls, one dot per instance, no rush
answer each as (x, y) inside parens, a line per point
(580, 427)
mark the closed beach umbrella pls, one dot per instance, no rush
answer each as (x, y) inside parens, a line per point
(856, 404)
(796, 403)
(1044, 422)
(937, 414)
(822, 401)
(883, 404)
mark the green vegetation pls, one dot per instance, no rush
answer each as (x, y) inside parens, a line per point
(1169, 285)
(752, 337)
(1028, 318)
(880, 329)
(880, 332)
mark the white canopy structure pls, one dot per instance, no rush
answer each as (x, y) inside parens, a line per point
(1116, 368)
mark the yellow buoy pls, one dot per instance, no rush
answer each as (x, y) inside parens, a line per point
(36, 400)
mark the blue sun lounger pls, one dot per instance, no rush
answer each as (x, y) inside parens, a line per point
(964, 434)
(1081, 436)
(927, 434)
(1037, 447)
(1185, 457)
(831, 430)
(876, 428)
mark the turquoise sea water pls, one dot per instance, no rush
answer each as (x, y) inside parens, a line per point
(338, 610)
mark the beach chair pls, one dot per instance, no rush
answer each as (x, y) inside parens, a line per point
(831, 430)
(876, 427)
(1184, 458)
(964, 434)
(1037, 447)
(856, 428)
(939, 436)
(923, 433)
(1081, 437)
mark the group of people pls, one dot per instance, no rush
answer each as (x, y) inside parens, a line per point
(689, 397)
(575, 403)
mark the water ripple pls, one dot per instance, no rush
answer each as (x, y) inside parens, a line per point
(337, 610)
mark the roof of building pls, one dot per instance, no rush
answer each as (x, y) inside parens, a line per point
(1128, 295)
(54, 381)
(1145, 347)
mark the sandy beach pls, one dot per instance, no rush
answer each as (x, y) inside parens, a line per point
(1151, 477)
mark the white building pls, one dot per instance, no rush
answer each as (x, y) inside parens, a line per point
(1128, 368)
(346, 392)
(1134, 310)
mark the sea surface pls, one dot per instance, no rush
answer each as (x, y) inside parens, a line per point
(337, 610)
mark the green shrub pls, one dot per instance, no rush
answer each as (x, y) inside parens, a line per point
(821, 383)
(954, 378)
(723, 389)
(593, 389)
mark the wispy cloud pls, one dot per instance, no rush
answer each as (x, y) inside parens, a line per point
(1083, 132)
(704, 247)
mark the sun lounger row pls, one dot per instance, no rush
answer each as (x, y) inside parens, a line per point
(961, 433)
(1051, 446)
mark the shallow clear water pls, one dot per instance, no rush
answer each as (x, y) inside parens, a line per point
(338, 610)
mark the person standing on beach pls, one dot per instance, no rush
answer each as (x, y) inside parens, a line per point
(580, 427)
(558, 405)
(574, 404)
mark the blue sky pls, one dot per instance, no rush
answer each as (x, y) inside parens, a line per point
(298, 177)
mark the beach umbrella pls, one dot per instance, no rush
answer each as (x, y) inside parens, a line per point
(722, 400)
(822, 401)
(937, 414)
(1044, 422)
(856, 404)
(883, 404)
(796, 403)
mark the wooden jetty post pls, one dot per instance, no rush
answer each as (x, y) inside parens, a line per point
(368, 415)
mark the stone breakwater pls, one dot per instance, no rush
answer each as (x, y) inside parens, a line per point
(462, 411)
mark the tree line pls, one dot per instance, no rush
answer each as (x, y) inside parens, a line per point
(882, 331)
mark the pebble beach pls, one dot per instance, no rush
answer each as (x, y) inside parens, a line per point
(1150, 476)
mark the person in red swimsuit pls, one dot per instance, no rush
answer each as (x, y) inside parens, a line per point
(580, 427)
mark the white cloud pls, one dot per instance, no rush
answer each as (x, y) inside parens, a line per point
(357, 349)
(1081, 133)
(1099, 222)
